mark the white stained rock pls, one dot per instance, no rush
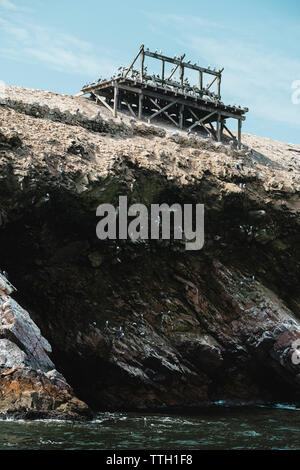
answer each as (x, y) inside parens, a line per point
(11, 355)
(27, 334)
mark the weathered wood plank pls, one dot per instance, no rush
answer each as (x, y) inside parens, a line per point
(134, 60)
(130, 109)
(102, 100)
(161, 110)
(185, 64)
(239, 133)
(201, 120)
(116, 99)
(164, 112)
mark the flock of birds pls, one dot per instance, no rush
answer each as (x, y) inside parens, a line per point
(196, 64)
(156, 80)
(171, 84)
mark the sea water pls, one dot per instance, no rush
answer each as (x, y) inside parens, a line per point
(214, 428)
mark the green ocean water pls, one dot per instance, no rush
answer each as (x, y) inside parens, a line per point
(216, 428)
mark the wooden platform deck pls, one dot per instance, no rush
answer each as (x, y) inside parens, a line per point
(151, 97)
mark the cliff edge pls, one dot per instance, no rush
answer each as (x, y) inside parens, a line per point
(197, 328)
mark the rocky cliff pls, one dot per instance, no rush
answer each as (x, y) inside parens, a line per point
(197, 327)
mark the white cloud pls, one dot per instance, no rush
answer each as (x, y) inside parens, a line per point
(57, 50)
(16, 32)
(7, 4)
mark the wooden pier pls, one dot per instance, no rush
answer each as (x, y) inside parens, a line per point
(195, 108)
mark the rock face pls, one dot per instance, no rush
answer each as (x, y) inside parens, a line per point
(146, 324)
(29, 384)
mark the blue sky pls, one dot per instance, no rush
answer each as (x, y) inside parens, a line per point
(60, 44)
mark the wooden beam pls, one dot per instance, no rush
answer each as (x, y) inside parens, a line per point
(134, 60)
(175, 68)
(213, 81)
(164, 112)
(201, 81)
(229, 132)
(181, 116)
(116, 99)
(206, 129)
(219, 87)
(193, 114)
(179, 62)
(239, 133)
(201, 120)
(141, 99)
(142, 64)
(161, 110)
(219, 127)
(102, 100)
(222, 128)
(187, 102)
(213, 131)
(181, 75)
(130, 109)
(163, 72)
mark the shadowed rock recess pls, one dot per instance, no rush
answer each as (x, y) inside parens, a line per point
(199, 327)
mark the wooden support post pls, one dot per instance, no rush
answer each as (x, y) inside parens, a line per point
(201, 120)
(230, 133)
(142, 65)
(181, 75)
(175, 68)
(219, 127)
(219, 87)
(141, 99)
(116, 99)
(103, 101)
(163, 72)
(181, 111)
(134, 60)
(213, 131)
(222, 128)
(201, 81)
(219, 83)
(130, 109)
(239, 133)
(163, 110)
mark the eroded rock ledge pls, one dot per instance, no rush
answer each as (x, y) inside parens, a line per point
(30, 386)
